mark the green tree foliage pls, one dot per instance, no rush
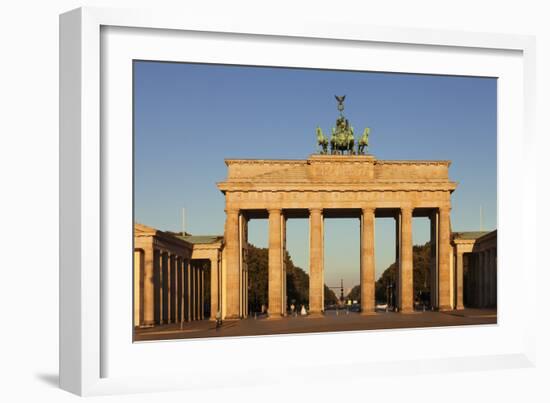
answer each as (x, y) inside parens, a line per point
(256, 259)
(330, 296)
(355, 293)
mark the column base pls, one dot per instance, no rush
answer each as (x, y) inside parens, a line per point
(146, 325)
(406, 310)
(274, 317)
(232, 317)
(445, 308)
(316, 315)
(460, 307)
(368, 313)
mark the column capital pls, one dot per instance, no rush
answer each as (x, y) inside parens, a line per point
(406, 209)
(368, 210)
(232, 210)
(315, 210)
(275, 210)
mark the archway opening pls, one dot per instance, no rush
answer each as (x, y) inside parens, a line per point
(386, 266)
(342, 289)
(256, 260)
(297, 262)
(422, 263)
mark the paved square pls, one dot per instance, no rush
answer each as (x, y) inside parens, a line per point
(330, 322)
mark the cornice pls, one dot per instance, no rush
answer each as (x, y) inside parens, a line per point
(250, 187)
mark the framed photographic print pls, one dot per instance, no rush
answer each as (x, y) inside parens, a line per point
(237, 191)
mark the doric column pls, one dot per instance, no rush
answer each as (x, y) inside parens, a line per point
(214, 298)
(405, 262)
(444, 247)
(367, 261)
(138, 293)
(186, 283)
(165, 287)
(315, 261)
(201, 303)
(434, 258)
(197, 291)
(148, 288)
(157, 280)
(192, 291)
(173, 289)
(275, 265)
(179, 286)
(233, 253)
(459, 279)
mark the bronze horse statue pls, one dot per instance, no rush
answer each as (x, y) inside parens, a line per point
(363, 143)
(322, 141)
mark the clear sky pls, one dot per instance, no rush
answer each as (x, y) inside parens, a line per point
(190, 117)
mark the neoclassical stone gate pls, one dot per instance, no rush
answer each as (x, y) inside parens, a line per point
(336, 186)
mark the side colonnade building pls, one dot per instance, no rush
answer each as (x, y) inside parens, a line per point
(176, 277)
(475, 257)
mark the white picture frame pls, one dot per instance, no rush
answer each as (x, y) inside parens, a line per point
(90, 338)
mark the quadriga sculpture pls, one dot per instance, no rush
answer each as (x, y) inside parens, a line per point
(342, 140)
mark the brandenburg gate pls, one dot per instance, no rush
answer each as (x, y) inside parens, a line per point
(342, 185)
(345, 183)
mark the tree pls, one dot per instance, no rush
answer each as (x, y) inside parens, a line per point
(330, 296)
(355, 293)
(256, 259)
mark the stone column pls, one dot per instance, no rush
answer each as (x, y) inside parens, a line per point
(196, 293)
(214, 288)
(243, 275)
(201, 304)
(157, 280)
(232, 288)
(284, 268)
(165, 292)
(434, 258)
(444, 274)
(367, 262)
(192, 291)
(173, 289)
(179, 286)
(138, 293)
(395, 291)
(315, 261)
(186, 282)
(406, 262)
(148, 289)
(459, 279)
(275, 265)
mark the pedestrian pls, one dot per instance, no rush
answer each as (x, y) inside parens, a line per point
(218, 319)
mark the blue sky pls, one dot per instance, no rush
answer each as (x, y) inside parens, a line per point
(190, 117)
